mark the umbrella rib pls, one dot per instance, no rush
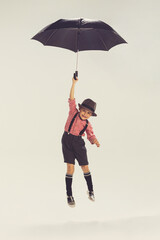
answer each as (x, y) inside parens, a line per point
(102, 40)
(51, 36)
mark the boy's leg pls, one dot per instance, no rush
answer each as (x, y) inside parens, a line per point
(88, 177)
(68, 178)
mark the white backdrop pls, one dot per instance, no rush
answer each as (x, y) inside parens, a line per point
(34, 87)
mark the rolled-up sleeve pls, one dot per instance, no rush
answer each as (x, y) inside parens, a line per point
(90, 133)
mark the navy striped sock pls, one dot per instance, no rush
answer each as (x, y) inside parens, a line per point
(88, 178)
(68, 180)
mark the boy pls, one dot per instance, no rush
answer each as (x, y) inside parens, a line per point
(73, 146)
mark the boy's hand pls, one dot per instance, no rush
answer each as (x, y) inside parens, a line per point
(95, 141)
(73, 80)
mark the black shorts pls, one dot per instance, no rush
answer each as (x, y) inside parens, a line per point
(73, 147)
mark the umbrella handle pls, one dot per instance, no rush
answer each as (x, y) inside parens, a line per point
(76, 72)
(75, 75)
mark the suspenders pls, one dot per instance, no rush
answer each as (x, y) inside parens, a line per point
(71, 123)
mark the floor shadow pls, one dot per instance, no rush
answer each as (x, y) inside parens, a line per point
(140, 226)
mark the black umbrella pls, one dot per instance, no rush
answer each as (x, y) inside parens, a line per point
(79, 35)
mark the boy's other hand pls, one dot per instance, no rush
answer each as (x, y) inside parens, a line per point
(95, 141)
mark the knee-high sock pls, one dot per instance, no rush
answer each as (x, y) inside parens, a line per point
(89, 181)
(68, 180)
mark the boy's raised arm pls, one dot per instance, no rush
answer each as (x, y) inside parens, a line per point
(71, 96)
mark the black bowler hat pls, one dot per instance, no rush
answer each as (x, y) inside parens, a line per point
(89, 104)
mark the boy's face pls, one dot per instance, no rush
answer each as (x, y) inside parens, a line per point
(85, 113)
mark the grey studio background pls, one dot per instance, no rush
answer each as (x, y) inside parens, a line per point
(34, 87)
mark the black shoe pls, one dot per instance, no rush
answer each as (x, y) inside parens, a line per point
(91, 195)
(70, 201)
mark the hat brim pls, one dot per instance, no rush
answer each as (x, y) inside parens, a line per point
(93, 113)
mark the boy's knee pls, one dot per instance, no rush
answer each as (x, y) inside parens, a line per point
(85, 168)
(70, 168)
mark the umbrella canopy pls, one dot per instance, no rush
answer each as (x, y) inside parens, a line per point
(79, 35)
